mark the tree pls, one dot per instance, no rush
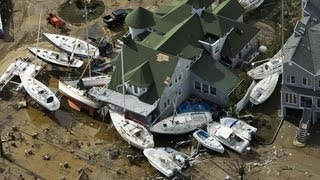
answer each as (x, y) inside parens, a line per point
(238, 166)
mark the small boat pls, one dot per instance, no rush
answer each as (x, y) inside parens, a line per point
(40, 93)
(239, 127)
(250, 5)
(268, 68)
(56, 57)
(77, 95)
(167, 160)
(263, 89)
(73, 45)
(226, 136)
(100, 80)
(134, 133)
(182, 123)
(208, 141)
(6, 76)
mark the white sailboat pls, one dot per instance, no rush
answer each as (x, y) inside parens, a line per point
(208, 141)
(56, 57)
(166, 160)
(274, 65)
(101, 80)
(182, 123)
(226, 136)
(250, 5)
(131, 131)
(77, 94)
(40, 93)
(73, 45)
(239, 127)
(263, 89)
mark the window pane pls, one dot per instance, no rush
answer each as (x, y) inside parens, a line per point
(293, 79)
(197, 85)
(318, 102)
(288, 79)
(304, 81)
(295, 99)
(212, 90)
(286, 98)
(205, 88)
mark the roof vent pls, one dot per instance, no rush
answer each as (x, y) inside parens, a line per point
(162, 57)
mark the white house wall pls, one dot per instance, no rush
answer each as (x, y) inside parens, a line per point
(170, 93)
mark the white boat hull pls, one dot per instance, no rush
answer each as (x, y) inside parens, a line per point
(73, 45)
(77, 95)
(134, 133)
(266, 69)
(226, 136)
(208, 141)
(263, 89)
(182, 123)
(250, 5)
(56, 57)
(165, 162)
(40, 93)
(239, 127)
(100, 80)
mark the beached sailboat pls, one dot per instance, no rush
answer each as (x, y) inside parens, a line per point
(56, 57)
(208, 141)
(226, 136)
(182, 123)
(133, 132)
(239, 127)
(263, 89)
(274, 65)
(77, 95)
(167, 160)
(250, 5)
(73, 45)
(40, 93)
(101, 80)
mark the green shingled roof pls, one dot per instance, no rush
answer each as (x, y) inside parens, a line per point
(216, 73)
(140, 18)
(230, 9)
(143, 70)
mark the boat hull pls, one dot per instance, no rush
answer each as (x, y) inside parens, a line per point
(239, 127)
(68, 45)
(40, 93)
(263, 89)
(77, 95)
(182, 123)
(56, 57)
(266, 69)
(208, 142)
(126, 129)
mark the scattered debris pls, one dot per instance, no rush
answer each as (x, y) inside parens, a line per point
(34, 135)
(22, 104)
(46, 157)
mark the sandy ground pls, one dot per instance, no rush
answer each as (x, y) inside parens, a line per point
(95, 146)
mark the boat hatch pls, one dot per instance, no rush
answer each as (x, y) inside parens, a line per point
(136, 131)
(224, 132)
(50, 99)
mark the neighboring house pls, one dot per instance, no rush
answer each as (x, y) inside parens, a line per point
(231, 9)
(301, 75)
(173, 53)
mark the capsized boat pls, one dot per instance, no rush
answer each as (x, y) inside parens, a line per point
(133, 132)
(226, 136)
(239, 127)
(167, 160)
(268, 68)
(208, 141)
(250, 5)
(40, 93)
(73, 45)
(56, 57)
(263, 89)
(182, 123)
(79, 95)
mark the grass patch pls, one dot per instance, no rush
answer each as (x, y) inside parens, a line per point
(74, 13)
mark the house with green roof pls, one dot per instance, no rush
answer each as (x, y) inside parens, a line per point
(174, 54)
(231, 9)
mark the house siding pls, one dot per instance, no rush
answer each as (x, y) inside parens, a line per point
(291, 69)
(252, 44)
(170, 93)
(220, 98)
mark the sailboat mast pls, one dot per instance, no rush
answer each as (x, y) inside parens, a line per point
(282, 35)
(38, 36)
(123, 85)
(87, 37)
